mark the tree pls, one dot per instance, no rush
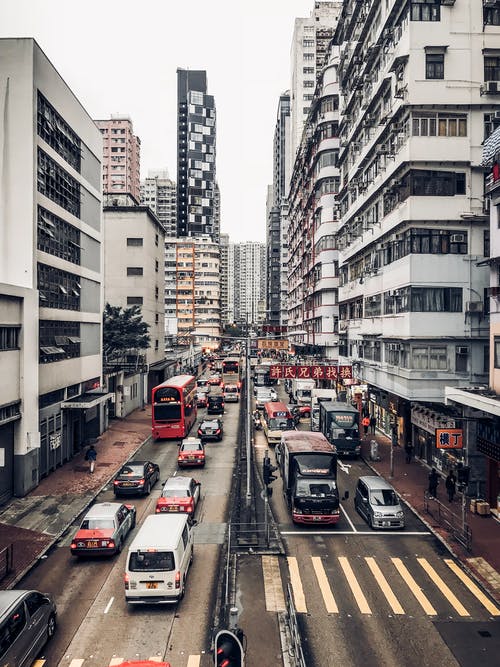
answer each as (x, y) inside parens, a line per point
(124, 330)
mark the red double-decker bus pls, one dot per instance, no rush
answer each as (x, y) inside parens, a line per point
(174, 407)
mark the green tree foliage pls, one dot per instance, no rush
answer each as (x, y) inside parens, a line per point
(124, 330)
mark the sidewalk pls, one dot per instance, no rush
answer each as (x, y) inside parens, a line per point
(34, 523)
(411, 481)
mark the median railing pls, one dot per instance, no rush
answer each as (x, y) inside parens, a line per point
(457, 527)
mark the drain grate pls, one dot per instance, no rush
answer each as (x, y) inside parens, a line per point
(119, 443)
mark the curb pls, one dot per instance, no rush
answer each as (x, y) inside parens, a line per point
(479, 580)
(49, 546)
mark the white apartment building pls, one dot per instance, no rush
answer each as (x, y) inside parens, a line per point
(249, 261)
(159, 192)
(310, 40)
(51, 269)
(312, 224)
(418, 88)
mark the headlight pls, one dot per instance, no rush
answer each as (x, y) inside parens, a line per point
(297, 511)
(378, 514)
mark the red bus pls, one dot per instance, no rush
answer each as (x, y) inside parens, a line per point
(275, 419)
(231, 371)
(174, 407)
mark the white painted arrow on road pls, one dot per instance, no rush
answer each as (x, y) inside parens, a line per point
(344, 466)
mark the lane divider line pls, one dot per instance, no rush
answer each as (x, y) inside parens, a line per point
(108, 606)
(474, 589)
(444, 588)
(324, 585)
(413, 586)
(362, 602)
(193, 661)
(384, 586)
(298, 591)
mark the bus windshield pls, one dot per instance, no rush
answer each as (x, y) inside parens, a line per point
(316, 487)
(167, 412)
(281, 424)
(346, 433)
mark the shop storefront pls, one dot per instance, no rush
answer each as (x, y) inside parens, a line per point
(425, 421)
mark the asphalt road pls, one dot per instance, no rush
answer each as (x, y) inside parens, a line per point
(96, 627)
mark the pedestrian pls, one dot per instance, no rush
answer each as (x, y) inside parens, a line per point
(451, 485)
(366, 425)
(91, 456)
(433, 483)
(373, 424)
(409, 451)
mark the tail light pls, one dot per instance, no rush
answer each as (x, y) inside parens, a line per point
(141, 481)
(200, 432)
(191, 506)
(217, 431)
(126, 580)
(73, 545)
(177, 579)
(111, 544)
(116, 482)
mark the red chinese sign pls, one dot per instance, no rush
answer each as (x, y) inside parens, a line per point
(311, 372)
(449, 438)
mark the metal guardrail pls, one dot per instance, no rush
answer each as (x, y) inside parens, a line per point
(6, 561)
(295, 653)
(458, 529)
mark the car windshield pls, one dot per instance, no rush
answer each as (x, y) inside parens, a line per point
(175, 493)
(320, 489)
(97, 524)
(148, 561)
(384, 497)
(281, 424)
(209, 425)
(191, 447)
(131, 470)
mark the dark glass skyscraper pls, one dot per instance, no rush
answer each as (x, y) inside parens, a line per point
(195, 155)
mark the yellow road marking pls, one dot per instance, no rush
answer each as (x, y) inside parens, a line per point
(474, 589)
(38, 663)
(444, 588)
(78, 662)
(364, 608)
(194, 661)
(384, 586)
(413, 586)
(273, 586)
(115, 661)
(298, 591)
(326, 591)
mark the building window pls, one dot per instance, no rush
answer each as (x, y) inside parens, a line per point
(432, 125)
(436, 300)
(135, 271)
(427, 183)
(432, 357)
(9, 337)
(496, 344)
(58, 340)
(425, 10)
(56, 184)
(58, 289)
(309, 84)
(307, 43)
(135, 300)
(491, 15)
(434, 65)
(57, 237)
(52, 128)
(135, 241)
(461, 358)
(492, 68)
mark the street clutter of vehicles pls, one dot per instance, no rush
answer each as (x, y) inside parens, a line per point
(136, 478)
(103, 530)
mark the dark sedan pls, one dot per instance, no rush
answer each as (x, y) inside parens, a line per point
(136, 477)
(210, 429)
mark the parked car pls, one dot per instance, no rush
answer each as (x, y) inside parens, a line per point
(103, 530)
(191, 453)
(300, 411)
(262, 397)
(211, 429)
(378, 503)
(28, 620)
(179, 494)
(201, 399)
(136, 477)
(215, 405)
(214, 379)
(203, 386)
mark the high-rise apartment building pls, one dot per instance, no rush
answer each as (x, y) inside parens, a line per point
(121, 158)
(311, 37)
(51, 270)
(249, 266)
(224, 279)
(159, 192)
(196, 132)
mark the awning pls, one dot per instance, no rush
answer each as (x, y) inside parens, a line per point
(489, 261)
(86, 401)
(51, 349)
(491, 148)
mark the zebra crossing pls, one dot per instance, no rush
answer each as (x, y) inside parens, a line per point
(368, 585)
(193, 661)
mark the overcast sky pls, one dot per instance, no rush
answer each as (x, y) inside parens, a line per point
(122, 57)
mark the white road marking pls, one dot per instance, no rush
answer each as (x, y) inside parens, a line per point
(78, 662)
(324, 585)
(361, 601)
(273, 586)
(344, 466)
(194, 661)
(475, 590)
(348, 519)
(108, 606)
(357, 533)
(295, 580)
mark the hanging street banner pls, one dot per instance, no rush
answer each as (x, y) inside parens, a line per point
(272, 344)
(311, 372)
(449, 438)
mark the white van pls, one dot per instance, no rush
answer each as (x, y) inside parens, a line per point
(158, 560)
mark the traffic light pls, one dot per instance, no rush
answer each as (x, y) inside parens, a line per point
(268, 470)
(228, 650)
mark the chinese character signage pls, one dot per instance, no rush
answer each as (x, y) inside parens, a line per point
(449, 438)
(272, 344)
(311, 372)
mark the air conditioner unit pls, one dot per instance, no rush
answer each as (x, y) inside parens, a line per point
(457, 238)
(383, 149)
(491, 87)
(474, 307)
(462, 350)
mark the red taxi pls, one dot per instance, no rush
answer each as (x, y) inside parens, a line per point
(179, 494)
(191, 453)
(103, 530)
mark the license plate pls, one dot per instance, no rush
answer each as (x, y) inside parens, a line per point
(151, 585)
(191, 458)
(173, 508)
(316, 518)
(92, 544)
(127, 483)
(209, 431)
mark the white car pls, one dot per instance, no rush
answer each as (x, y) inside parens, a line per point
(262, 397)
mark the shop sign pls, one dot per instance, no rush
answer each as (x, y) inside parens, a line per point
(312, 372)
(272, 344)
(449, 438)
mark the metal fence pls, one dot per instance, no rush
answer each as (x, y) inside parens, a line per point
(456, 526)
(295, 653)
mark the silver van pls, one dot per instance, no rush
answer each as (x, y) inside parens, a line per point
(378, 503)
(27, 622)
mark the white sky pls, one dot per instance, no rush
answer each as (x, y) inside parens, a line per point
(122, 57)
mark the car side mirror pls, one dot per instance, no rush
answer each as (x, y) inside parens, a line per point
(346, 495)
(365, 500)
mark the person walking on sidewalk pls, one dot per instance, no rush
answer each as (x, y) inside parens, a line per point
(409, 451)
(373, 424)
(366, 424)
(451, 485)
(91, 457)
(433, 483)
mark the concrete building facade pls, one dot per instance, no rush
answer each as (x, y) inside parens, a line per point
(51, 283)
(121, 159)
(159, 192)
(249, 266)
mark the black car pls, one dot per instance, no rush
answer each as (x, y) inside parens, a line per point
(136, 477)
(215, 405)
(211, 429)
